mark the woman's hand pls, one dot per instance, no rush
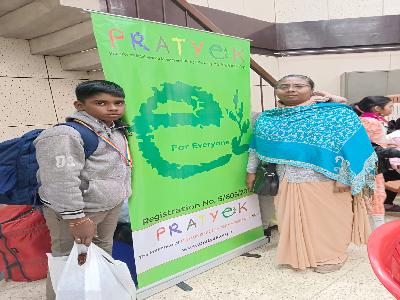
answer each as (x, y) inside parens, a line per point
(321, 94)
(250, 178)
(341, 188)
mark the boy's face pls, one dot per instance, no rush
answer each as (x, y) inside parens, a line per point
(104, 107)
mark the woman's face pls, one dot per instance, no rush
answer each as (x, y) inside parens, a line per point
(386, 110)
(293, 91)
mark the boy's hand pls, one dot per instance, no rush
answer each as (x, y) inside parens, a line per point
(250, 178)
(83, 230)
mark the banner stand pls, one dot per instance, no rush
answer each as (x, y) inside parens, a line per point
(159, 286)
(187, 98)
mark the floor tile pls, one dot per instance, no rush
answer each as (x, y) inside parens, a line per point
(256, 278)
(23, 290)
(176, 293)
(359, 283)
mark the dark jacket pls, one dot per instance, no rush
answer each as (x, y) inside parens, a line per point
(383, 157)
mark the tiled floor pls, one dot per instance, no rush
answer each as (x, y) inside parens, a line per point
(256, 278)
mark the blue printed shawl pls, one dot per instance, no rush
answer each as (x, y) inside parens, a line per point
(325, 137)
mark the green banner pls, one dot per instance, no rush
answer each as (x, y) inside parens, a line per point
(188, 107)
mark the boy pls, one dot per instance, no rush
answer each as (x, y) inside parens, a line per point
(82, 197)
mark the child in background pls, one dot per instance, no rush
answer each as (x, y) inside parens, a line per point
(372, 111)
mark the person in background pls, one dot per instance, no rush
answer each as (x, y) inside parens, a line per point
(314, 146)
(372, 111)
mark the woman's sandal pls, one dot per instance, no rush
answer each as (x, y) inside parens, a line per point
(324, 269)
(393, 208)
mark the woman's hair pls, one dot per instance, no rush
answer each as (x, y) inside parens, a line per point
(368, 103)
(308, 79)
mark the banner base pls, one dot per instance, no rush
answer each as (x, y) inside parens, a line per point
(157, 287)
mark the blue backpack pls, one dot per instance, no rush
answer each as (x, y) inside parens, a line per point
(18, 165)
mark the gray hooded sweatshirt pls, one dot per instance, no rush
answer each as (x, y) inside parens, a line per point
(72, 185)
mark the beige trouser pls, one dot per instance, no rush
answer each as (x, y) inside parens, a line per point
(62, 240)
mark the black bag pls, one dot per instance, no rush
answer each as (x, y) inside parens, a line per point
(267, 180)
(383, 157)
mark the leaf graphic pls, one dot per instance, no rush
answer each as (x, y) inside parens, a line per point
(232, 116)
(240, 113)
(246, 126)
(236, 99)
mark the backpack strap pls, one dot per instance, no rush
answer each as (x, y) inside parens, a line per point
(89, 137)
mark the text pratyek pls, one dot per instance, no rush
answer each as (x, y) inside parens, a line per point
(160, 44)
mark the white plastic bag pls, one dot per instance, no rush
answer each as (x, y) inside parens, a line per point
(100, 277)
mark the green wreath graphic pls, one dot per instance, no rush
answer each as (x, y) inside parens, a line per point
(206, 112)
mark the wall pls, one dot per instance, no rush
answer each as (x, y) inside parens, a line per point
(312, 10)
(285, 11)
(87, 4)
(326, 69)
(258, 9)
(34, 91)
(271, 65)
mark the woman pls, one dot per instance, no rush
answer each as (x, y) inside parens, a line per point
(313, 146)
(372, 111)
